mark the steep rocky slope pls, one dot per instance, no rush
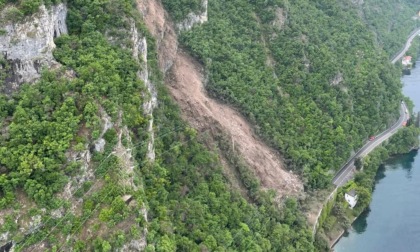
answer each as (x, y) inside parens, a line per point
(309, 83)
(194, 18)
(26, 49)
(185, 78)
(27, 46)
(116, 146)
(94, 154)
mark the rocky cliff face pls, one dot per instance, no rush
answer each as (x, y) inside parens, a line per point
(140, 53)
(194, 18)
(164, 33)
(27, 46)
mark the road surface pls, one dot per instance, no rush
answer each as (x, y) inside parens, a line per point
(346, 172)
(406, 46)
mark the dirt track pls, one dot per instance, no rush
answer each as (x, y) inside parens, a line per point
(185, 81)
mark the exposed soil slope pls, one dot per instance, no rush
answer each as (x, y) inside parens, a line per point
(185, 80)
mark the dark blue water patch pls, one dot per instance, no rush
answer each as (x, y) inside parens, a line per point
(404, 161)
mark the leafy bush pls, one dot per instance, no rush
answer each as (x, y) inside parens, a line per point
(30, 6)
(13, 14)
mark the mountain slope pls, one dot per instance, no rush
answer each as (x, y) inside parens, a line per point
(77, 171)
(185, 81)
(95, 154)
(391, 20)
(307, 74)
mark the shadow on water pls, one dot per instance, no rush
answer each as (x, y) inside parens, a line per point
(407, 163)
(360, 224)
(380, 174)
(404, 161)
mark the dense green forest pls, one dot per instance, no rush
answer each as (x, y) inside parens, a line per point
(391, 20)
(193, 209)
(189, 202)
(307, 74)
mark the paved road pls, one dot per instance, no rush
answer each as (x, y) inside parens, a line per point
(407, 46)
(346, 172)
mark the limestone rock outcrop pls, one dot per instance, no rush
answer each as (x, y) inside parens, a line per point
(27, 45)
(194, 18)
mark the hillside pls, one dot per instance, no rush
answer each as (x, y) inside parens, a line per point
(180, 125)
(314, 85)
(391, 20)
(95, 157)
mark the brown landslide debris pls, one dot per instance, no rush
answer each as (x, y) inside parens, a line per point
(184, 78)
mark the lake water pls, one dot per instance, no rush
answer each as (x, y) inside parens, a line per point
(392, 222)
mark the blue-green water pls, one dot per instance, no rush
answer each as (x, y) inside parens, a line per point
(392, 222)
